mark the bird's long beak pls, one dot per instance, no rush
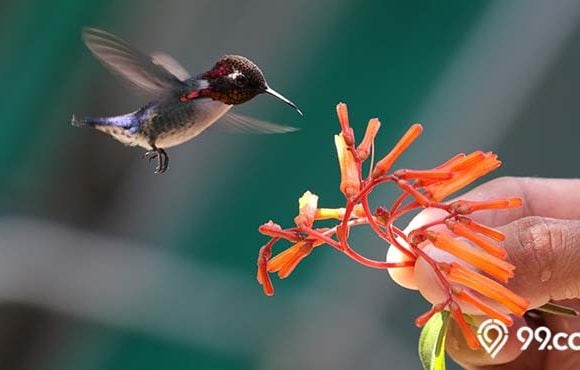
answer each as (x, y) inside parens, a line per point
(279, 96)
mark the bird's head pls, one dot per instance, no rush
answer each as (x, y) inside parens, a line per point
(235, 79)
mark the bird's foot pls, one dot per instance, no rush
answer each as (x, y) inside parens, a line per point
(162, 159)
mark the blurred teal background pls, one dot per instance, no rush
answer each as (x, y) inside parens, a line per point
(105, 266)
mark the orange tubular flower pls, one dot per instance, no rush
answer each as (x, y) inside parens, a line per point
(263, 277)
(347, 132)
(464, 207)
(463, 176)
(275, 231)
(466, 330)
(482, 229)
(350, 181)
(422, 319)
(467, 161)
(385, 164)
(462, 230)
(286, 262)
(434, 174)
(420, 188)
(306, 209)
(459, 274)
(447, 166)
(467, 297)
(337, 213)
(364, 149)
(327, 213)
(494, 266)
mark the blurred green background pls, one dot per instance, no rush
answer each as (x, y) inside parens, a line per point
(105, 266)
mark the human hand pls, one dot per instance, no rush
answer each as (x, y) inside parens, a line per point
(543, 242)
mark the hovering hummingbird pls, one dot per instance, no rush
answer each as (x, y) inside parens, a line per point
(183, 106)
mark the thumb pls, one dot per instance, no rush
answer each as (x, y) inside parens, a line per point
(546, 253)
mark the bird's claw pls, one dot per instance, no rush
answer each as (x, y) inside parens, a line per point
(162, 159)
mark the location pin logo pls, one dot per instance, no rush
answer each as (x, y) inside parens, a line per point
(492, 335)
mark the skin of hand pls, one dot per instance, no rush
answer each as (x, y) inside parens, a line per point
(543, 242)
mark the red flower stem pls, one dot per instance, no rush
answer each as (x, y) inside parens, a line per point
(288, 234)
(376, 264)
(398, 202)
(380, 232)
(413, 205)
(367, 187)
(436, 222)
(420, 197)
(358, 162)
(351, 203)
(408, 208)
(422, 320)
(361, 259)
(344, 225)
(315, 234)
(355, 222)
(268, 247)
(263, 257)
(346, 249)
(427, 258)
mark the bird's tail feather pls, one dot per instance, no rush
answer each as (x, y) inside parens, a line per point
(126, 121)
(76, 122)
(88, 121)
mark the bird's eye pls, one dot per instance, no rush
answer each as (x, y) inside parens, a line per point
(241, 80)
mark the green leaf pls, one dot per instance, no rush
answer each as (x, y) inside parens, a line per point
(558, 309)
(432, 342)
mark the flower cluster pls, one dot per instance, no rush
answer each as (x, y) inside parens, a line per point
(475, 244)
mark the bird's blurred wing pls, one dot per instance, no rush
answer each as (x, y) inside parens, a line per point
(136, 67)
(170, 64)
(237, 123)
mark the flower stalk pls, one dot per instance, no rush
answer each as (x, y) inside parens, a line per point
(420, 188)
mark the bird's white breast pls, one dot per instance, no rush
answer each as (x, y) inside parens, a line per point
(206, 113)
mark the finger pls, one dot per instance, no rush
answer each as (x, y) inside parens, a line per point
(555, 198)
(546, 253)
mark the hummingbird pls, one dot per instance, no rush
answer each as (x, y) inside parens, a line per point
(182, 106)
